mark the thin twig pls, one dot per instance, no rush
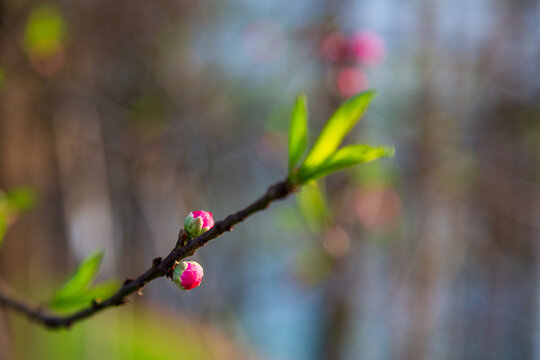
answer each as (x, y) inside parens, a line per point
(160, 267)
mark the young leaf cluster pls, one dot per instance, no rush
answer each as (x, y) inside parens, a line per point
(325, 157)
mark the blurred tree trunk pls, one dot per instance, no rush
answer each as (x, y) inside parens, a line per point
(27, 157)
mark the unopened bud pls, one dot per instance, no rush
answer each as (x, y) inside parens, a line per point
(188, 275)
(198, 222)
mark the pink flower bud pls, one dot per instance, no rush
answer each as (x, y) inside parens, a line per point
(198, 222)
(368, 48)
(188, 275)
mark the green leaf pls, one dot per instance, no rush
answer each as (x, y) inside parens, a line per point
(81, 279)
(3, 227)
(21, 199)
(77, 293)
(12, 203)
(345, 157)
(76, 301)
(298, 131)
(312, 204)
(5, 215)
(337, 127)
(45, 31)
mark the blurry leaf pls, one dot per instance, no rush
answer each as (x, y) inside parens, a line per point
(82, 299)
(3, 227)
(77, 293)
(81, 279)
(21, 199)
(137, 334)
(312, 205)
(345, 157)
(337, 127)
(288, 218)
(4, 216)
(11, 204)
(298, 131)
(45, 31)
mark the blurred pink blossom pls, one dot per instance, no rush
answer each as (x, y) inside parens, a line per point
(368, 48)
(351, 80)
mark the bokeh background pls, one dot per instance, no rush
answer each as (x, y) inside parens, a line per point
(123, 116)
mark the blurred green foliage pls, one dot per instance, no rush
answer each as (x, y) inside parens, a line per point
(133, 333)
(12, 203)
(312, 204)
(21, 199)
(45, 31)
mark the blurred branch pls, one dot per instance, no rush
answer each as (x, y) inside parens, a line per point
(160, 267)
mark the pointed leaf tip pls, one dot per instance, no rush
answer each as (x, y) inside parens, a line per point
(337, 127)
(298, 131)
(81, 279)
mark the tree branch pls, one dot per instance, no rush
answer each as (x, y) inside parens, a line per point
(160, 267)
